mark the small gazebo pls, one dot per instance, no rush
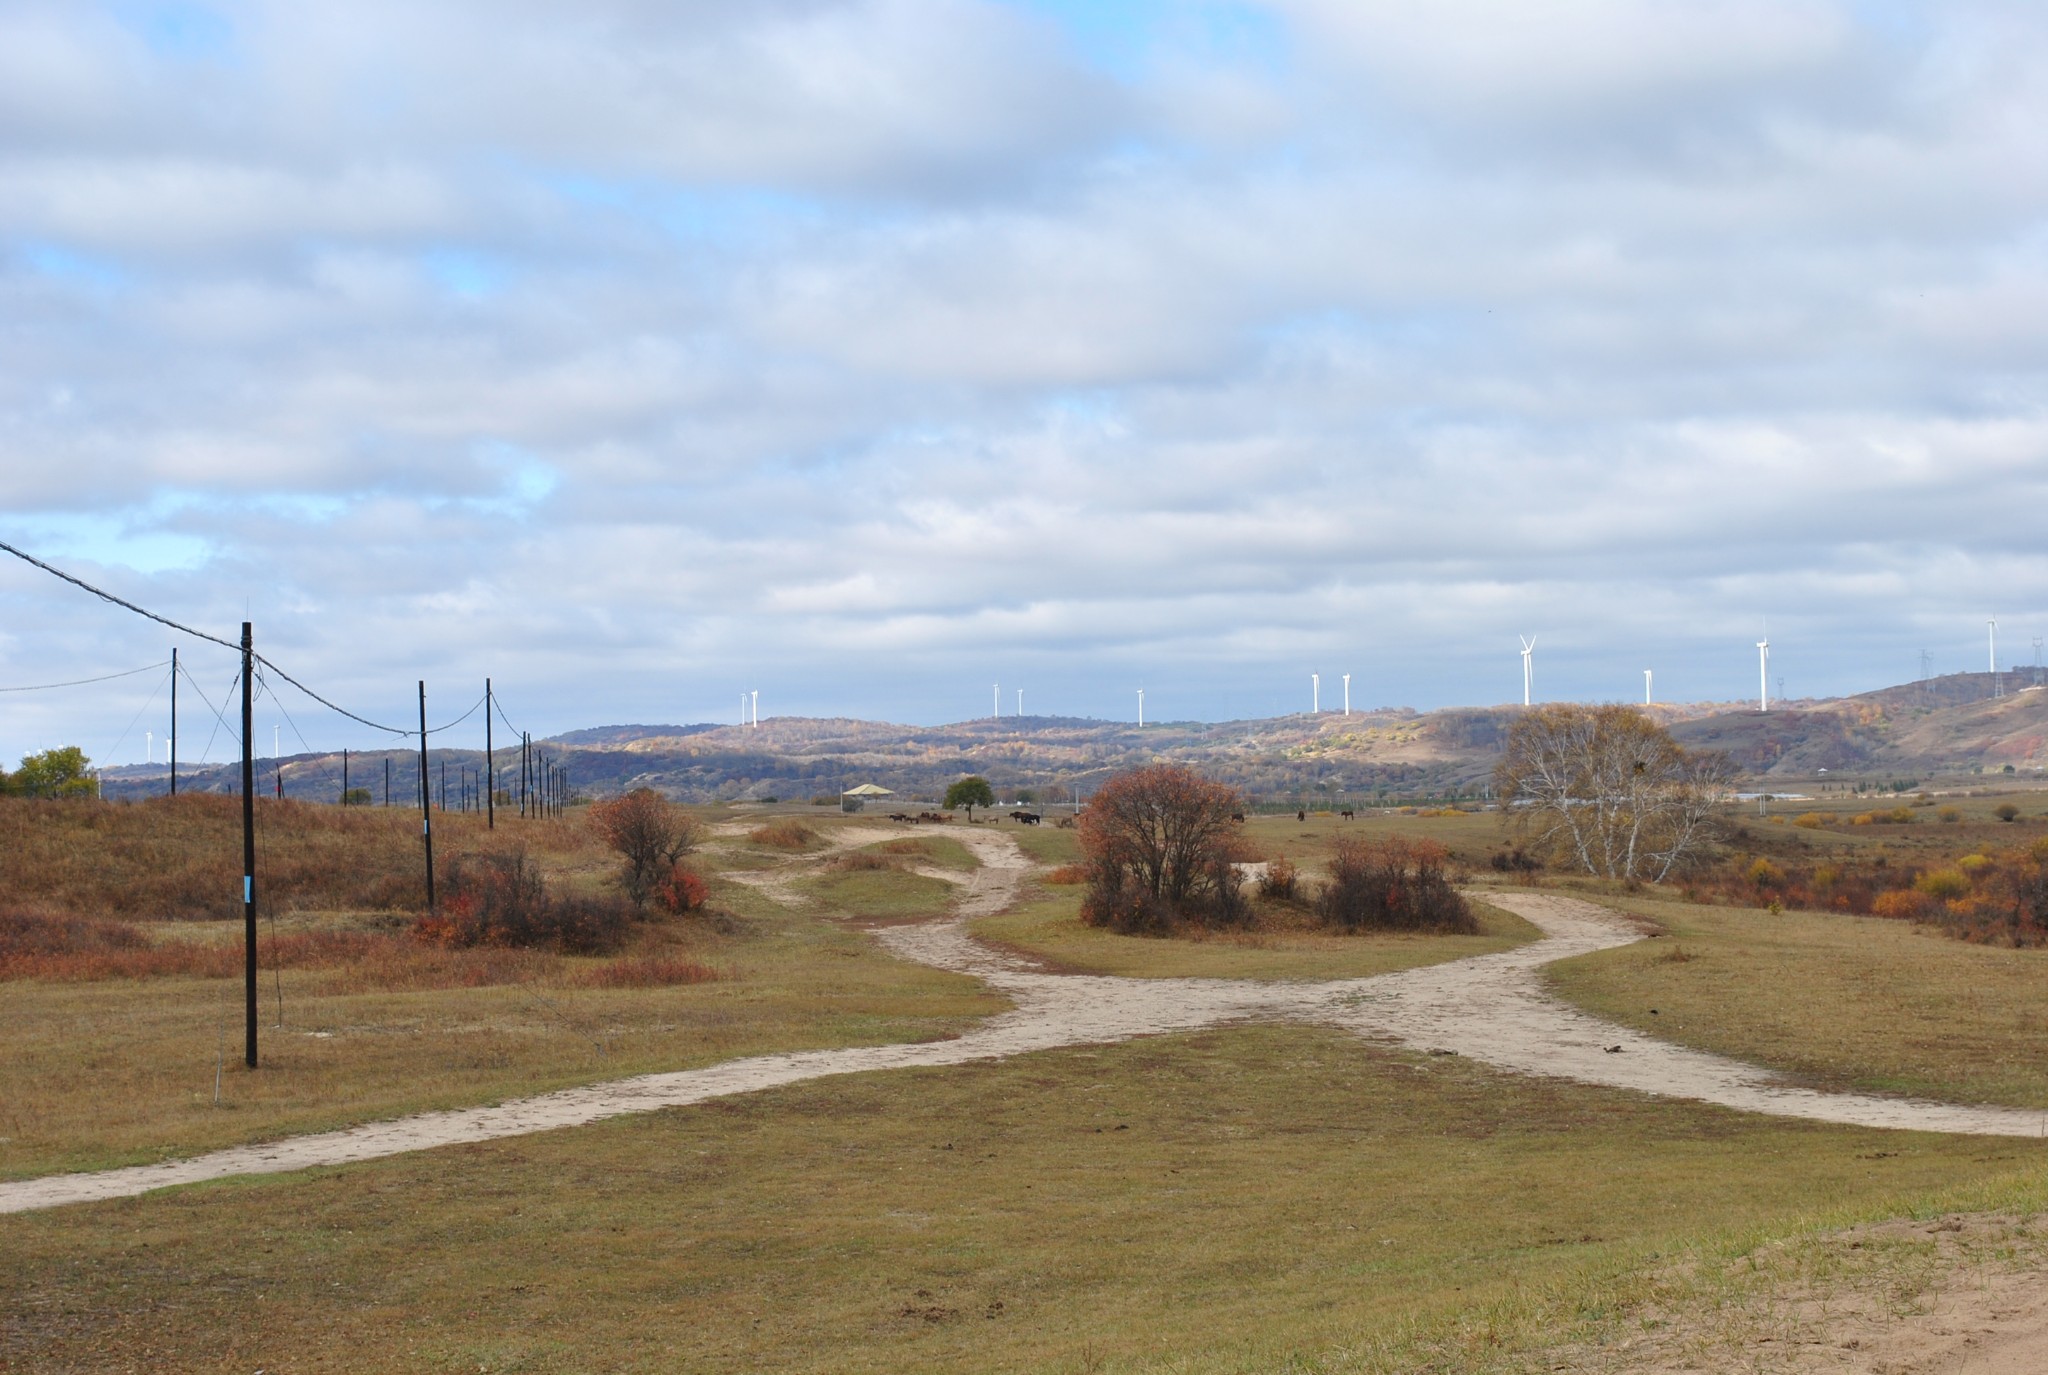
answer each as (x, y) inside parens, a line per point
(853, 799)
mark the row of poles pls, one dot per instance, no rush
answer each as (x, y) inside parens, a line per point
(543, 792)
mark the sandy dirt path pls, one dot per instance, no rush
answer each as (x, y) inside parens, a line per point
(1491, 1008)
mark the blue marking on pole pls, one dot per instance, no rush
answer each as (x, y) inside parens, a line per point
(248, 888)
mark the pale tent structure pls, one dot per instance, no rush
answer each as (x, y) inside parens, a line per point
(853, 799)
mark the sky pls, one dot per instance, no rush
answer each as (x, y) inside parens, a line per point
(869, 354)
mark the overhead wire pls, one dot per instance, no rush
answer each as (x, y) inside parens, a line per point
(270, 664)
(150, 702)
(81, 682)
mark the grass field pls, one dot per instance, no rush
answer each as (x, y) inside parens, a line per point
(1049, 927)
(1253, 1199)
(122, 1071)
(1840, 1002)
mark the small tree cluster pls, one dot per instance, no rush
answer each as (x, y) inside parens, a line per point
(650, 833)
(55, 773)
(1159, 846)
(1390, 883)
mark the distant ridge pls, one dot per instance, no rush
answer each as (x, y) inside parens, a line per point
(1959, 724)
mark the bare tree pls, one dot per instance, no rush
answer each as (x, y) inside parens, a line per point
(650, 833)
(1608, 791)
(1159, 843)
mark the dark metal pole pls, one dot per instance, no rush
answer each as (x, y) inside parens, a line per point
(490, 774)
(249, 842)
(387, 780)
(174, 721)
(426, 798)
(344, 775)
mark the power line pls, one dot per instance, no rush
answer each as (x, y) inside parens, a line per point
(81, 682)
(143, 611)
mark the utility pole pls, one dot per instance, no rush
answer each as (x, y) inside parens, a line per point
(174, 714)
(387, 780)
(426, 800)
(490, 774)
(249, 843)
(344, 775)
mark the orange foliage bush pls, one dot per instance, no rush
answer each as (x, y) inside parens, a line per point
(1066, 875)
(683, 890)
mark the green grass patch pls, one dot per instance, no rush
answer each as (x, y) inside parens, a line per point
(886, 894)
(1048, 844)
(1254, 1199)
(1840, 1002)
(1050, 928)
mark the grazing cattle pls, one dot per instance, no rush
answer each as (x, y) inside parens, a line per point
(1238, 817)
(1347, 814)
(1300, 815)
(899, 816)
(939, 818)
(1026, 818)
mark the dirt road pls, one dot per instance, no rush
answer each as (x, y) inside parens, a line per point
(1491, 1008)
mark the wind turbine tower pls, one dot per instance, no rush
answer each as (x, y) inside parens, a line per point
(996, 692)
(1763, 674)
(757, 708)
(1347, 681)
(1020, 701)
(1315, 694)
(1646, 687)
(1141, 708)
(1528, 669)
(1997, 688)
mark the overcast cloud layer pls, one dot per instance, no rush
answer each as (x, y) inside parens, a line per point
(868, 353)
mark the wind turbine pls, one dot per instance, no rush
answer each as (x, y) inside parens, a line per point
(1315, 694)
(757, 708)
(1763, 673)
(1020, 701)
(997, 690)
(1347, 692)
(1646, 687)
(1528, 668)
(149, 745)
(1996, 686)
(1141, 707)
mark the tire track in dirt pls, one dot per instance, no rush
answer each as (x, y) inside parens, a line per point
(1490, 1008)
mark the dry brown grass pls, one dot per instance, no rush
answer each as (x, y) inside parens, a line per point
(784, 834)
(181, 858)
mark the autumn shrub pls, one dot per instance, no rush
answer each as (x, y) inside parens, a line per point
(1515, 861)
(1949, 816)
(681, 891)
(503, 900)
(786, 834)
(1066, 875)
(1764, 875)
(1902, 904)
(1281, 880)
(1390, 883)
(647, 971)
(2005, 811)
(1811, 821)
(1942, 884)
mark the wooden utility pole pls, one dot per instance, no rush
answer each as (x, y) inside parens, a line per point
(174, 720)
(490, 774)
(249, 842)
(426, 798)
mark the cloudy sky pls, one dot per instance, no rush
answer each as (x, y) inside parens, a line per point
(868, 353)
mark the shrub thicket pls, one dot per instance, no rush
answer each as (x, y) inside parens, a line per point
(503, 900)
(1390, 883)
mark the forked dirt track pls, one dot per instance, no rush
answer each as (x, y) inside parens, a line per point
(1490, 1008)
